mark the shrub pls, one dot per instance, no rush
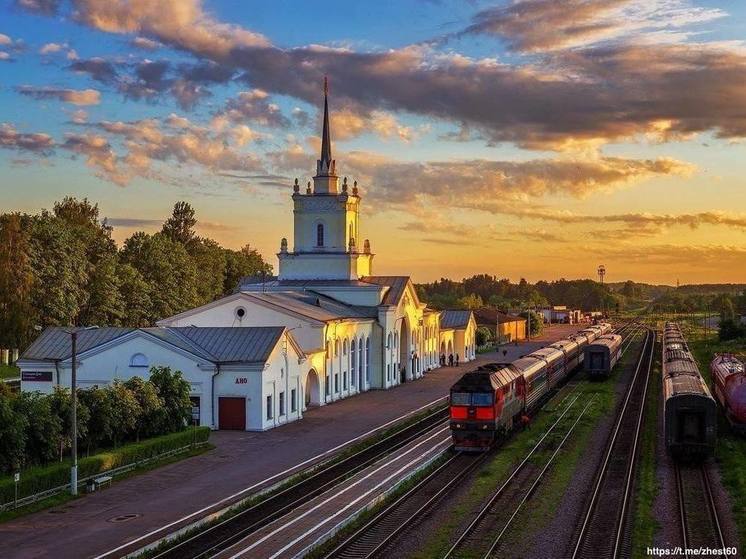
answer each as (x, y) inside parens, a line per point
(38, 479)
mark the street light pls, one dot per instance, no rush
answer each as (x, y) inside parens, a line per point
(74, 406)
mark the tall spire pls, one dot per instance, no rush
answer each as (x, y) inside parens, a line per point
(325, 166)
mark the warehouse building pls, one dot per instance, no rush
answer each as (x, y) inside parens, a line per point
(509, 326)
(240, 378)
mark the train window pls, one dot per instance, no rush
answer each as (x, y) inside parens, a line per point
(482, 399)
(460, 398)
(506, 389)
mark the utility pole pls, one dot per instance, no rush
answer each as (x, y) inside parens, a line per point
(74, 414)
(601, 274)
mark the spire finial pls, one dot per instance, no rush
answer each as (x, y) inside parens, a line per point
(325, 166)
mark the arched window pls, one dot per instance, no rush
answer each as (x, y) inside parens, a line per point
(388, 341)
(138, 360)
(360, 357)
(353, 364)
(396, 339)
(336, 348)
(367, 360)
(320, 235)
(344, 347)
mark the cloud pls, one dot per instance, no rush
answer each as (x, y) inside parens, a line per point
(54, 48)
(5, 40)
(482, 184)
(44, 7)
(10, 138)
(50, 48)
(547, 25)
(603, 92)
(73, 96)
(349, 123)
(8, 45)
(132, 222)
(145, 44)
(99, 155)
(253, 106)
(79, 117)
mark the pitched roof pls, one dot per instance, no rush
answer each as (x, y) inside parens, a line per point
(214, 344)
(55, 343)
(397, 286)
(490, 316)
(315, 305)
(253, 283)
(454, 319)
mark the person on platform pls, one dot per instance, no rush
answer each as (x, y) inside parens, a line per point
(457, 359)
(450, 360)
(525, 421)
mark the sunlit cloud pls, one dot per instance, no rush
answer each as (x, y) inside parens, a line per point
(72, 96)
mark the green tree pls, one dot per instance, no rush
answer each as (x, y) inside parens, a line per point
(174, 392)
(167, 268)
(470, 302)
(13, 427)
(537, 322)
(125, 410)
(44, 431)
(483, 336)
(243, 263)
(105, 305)
(135, 295)
(16, 281)
(210, 266)
(150, 403)
(61, 404)
(102, 427)
(180, 226)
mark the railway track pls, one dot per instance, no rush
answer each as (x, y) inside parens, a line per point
(483, 535)
(700, 523)
(373, 538)
(604, 531)
(225, 533)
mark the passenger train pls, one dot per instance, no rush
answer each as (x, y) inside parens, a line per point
(690, 411)
(601, 355)
(485, 403)
(729, 376)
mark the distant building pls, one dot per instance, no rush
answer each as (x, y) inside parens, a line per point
(561, 314)
(510, 327)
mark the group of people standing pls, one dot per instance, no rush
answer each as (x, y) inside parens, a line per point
(450, 360)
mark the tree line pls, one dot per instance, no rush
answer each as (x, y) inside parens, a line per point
(485, 290)
(62, 267)
(35, 428)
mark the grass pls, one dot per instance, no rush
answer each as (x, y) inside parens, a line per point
(9, 371)
(62, 498)
(731, 448)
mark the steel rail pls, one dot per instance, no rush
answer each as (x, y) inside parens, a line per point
(646, 354)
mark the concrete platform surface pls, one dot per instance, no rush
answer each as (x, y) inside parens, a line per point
(176, 495)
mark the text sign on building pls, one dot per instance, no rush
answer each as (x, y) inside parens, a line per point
(242, 380)
(37, 376)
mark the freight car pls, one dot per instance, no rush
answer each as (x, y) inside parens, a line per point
(602, 355)
(729, 376)
(690, 412)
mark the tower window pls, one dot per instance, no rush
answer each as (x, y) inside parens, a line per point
(320, 235)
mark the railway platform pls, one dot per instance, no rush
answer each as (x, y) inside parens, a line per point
(157, 503)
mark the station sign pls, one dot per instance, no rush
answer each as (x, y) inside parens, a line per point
(37, 376)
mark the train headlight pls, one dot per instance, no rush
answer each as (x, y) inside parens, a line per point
(484, 427)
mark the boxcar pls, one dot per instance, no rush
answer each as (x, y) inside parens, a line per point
(602, 355)
(690, 412)
(729, 376)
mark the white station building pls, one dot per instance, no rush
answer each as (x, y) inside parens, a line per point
(350, 331)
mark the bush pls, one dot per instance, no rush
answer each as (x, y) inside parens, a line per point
(38, 479)
(731, 330)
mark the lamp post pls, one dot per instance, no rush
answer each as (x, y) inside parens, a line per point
(74, 407)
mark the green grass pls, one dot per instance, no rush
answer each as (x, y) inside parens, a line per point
(8, 371)
(62, 498)
(730, 452)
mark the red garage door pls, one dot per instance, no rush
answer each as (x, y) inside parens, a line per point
(232, 413)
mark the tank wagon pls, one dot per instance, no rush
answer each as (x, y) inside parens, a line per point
(690, 412)
(486, 402)
(602, 355)
(729, 376)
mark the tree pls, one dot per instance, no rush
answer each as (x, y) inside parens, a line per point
(537, 322)
(470, 302)
(210, 265)
(483, 336)
(180, 226)
(150, 403)
(174, 392)
(102, 427)
(730, 330)
(16, 281)
(242, 263)
(125, 410)
(61, 404)
(44, 427)
(168, 270)
(105, 305)
(135, 295)
(13, 426)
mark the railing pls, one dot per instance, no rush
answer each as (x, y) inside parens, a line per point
(11, 505)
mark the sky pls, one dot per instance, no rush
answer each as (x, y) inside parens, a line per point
(528, 139)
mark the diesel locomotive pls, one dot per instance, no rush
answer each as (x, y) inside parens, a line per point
(485, 403)
(729, 375)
